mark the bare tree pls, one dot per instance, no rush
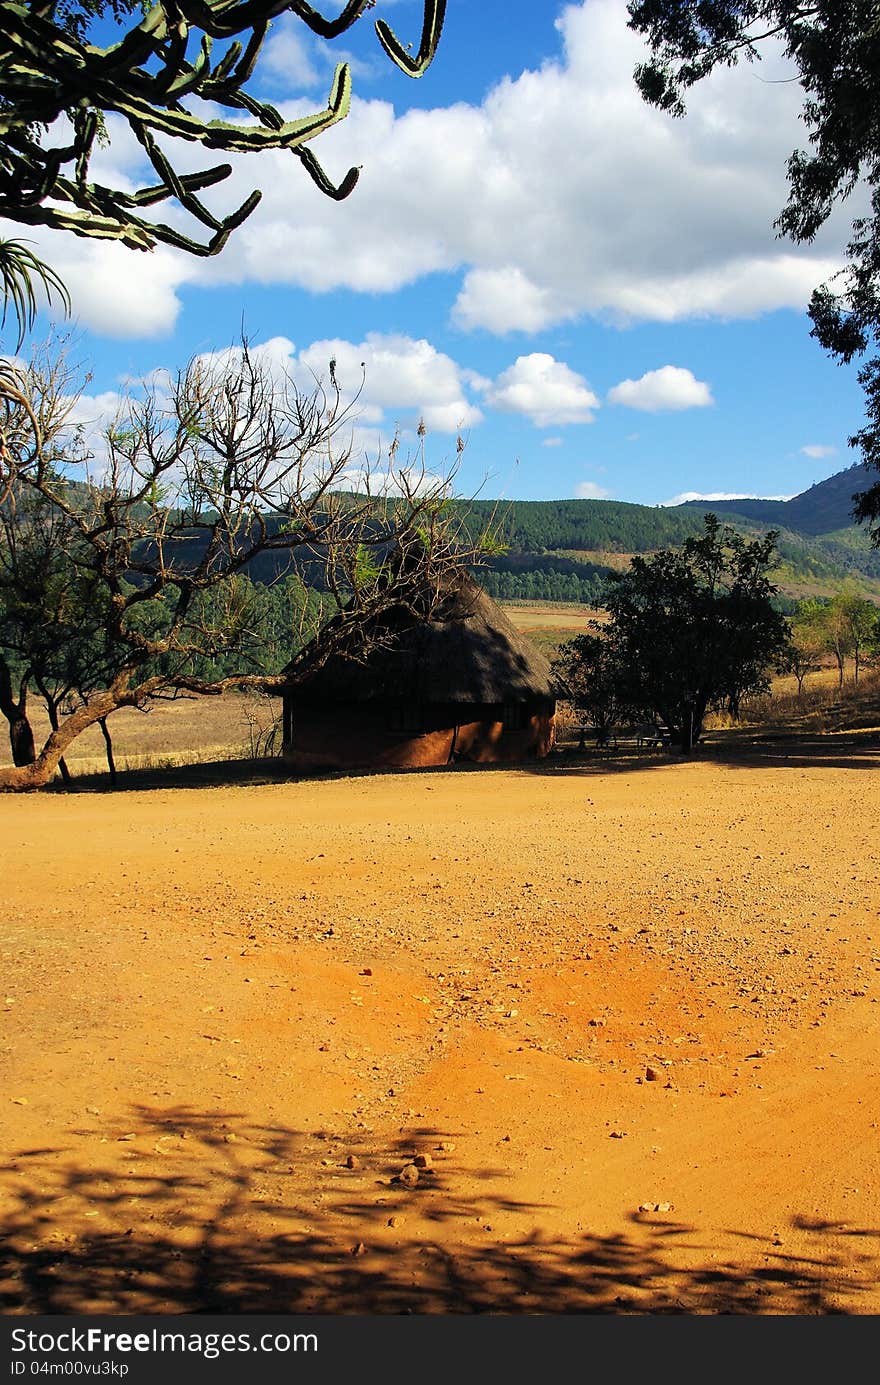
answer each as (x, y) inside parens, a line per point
(226, 464)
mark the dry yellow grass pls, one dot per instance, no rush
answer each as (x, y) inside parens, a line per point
(185, 730)
(529, 616)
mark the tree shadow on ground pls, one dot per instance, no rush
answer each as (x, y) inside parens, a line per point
(206, 774)
(856, 750)
(739, 749)
(251, 1219)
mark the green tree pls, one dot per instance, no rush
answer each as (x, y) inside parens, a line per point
(695, 628)
(848, 628)
(597, 683)
(57, 88)
(51, 618)
(862, 622)
(835, 46)
(806, 643)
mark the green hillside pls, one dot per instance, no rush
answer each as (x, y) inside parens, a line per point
(562, 550)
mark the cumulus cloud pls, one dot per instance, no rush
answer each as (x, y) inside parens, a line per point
(551, 442)
(540, 237)
(388, 384)
(400, 374)
(294, 59)
(719, 495)
(818, 450)
(114, 291)
(288, 59)
(669, 388)
(505, 300)
(545, 390)
(588, 490)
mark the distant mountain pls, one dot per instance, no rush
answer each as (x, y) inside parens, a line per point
(823, 509)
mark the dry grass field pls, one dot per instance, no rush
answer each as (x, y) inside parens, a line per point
(169, 733)
(570, 617)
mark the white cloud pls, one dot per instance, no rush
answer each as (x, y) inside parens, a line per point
(551, 442)
(505, 300)
(588, 490)
(392, 481)
(95, 412)
(288, 58)
(545, 390)
(401, 374)
(818, 450)
(116, 292)
(387, 382)
(402, 381)
(561, 195)
(670, 387)
(293, 59)
(719, 495)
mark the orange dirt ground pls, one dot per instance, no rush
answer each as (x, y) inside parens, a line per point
(625, 1014)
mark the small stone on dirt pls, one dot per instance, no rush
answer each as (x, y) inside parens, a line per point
(423, 1161)
(352, 1162)
(409, 1175)
(653, 1074)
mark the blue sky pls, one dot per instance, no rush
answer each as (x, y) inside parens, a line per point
(589, 292)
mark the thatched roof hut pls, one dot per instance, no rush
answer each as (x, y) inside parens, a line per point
(461, 684)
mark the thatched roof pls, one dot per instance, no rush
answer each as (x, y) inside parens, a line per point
(469, 652)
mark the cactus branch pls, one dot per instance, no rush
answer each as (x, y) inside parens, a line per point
(435, 11)
(52, 78)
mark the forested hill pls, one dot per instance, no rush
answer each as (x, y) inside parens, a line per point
(823, 509)
(601, 526)
(561, 550)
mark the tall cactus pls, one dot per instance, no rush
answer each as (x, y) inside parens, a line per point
(49, 69)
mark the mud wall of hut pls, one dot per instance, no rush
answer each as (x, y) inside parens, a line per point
(363, 735)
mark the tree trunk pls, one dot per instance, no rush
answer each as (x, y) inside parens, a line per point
(21, 741)
(690, 729)
(108, 742)
(52, 708)
(21, 737)
(38, 774)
